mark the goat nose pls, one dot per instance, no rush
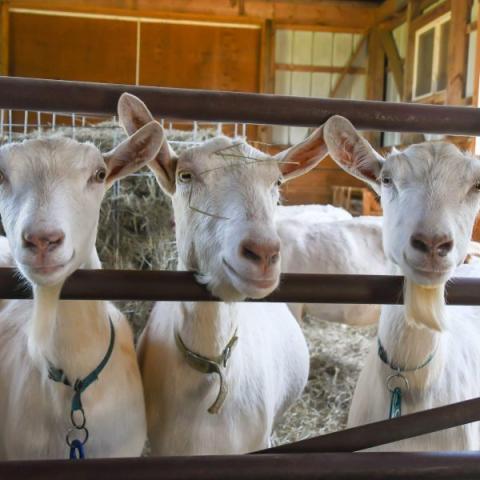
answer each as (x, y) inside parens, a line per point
(420, 243)
(43, 240)
(262, 254)
(443, 246)
(438, 245)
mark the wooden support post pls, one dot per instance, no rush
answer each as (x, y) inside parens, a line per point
(267, 72)
(376, 75)
(413, 10)
(4, 36)
(457, 52)
(476, 81)
(395, 62)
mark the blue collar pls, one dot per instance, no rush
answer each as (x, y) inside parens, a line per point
(80, 385)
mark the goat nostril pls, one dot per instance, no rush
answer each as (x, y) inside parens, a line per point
(444, 248)
(251, 255)
(43, 241)
(419, 245)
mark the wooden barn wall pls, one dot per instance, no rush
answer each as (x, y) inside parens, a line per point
(69, 48)
(316, 186)
(191, 56)
(106, 50)
(224, 58)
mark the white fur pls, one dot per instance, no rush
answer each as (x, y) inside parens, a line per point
(50, 184)
(432, 191)
(323, 239)
(269, 366)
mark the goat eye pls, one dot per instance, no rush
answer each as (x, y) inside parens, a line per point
(100, 175)
(2, 177)
(386, 180)
(184, 177)
(476, 186)
(279, 182)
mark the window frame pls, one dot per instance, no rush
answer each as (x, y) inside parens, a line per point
(436, 26)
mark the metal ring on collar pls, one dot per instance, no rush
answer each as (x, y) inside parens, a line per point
(79, 425)
(70, 440)
(396, 375)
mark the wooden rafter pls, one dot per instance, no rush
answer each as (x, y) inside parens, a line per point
(395, 62)
(348, 68)
(457, 52)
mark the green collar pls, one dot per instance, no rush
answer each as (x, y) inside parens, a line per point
(382, 353)
(210, 365)
(80, 385)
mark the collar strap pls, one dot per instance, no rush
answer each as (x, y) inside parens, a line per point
(80, 385)
(382, 353)
(210, 365)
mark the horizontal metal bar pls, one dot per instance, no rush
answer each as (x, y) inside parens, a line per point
(327, 466)
(387, 431)
(182, 286)
(207, 105)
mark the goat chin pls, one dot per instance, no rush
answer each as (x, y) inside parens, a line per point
(424, 306)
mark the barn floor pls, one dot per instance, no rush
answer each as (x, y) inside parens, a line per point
(337, 353)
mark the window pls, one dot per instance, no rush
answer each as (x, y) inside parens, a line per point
(431, 57)
(311, 63)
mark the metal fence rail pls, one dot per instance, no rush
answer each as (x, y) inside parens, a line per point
(387, 431)
(327, 466)
(300, 460)
(100, 99)
(181, 286)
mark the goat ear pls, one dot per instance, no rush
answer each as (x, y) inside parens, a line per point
(134, 152)
(134, 114)
(352, 152)
(304, 156)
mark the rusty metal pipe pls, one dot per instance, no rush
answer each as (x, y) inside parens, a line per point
(327, 466)
(182, 286)
(387, 431)
(215, 106)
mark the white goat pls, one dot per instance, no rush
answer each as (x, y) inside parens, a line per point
(427, 354)
(224, 198)
(50, 196)
(318, 239)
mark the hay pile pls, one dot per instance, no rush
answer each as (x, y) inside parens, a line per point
(136, 232)
(337, 354)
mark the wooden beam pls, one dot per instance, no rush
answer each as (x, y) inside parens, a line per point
(457, 52)
(438, 11)
(4, 37)
(337, 14)
(348, 67)
(389, 9)
(413, 10)
(376, 75)
(476, 82)
(318, 69)
(395, 62)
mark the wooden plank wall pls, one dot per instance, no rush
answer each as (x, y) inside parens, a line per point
(72, 48)
(224, 58)
(105, 50)
(200, 57)
(316, 186)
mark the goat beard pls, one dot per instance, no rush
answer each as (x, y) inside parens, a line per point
(424, 306)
